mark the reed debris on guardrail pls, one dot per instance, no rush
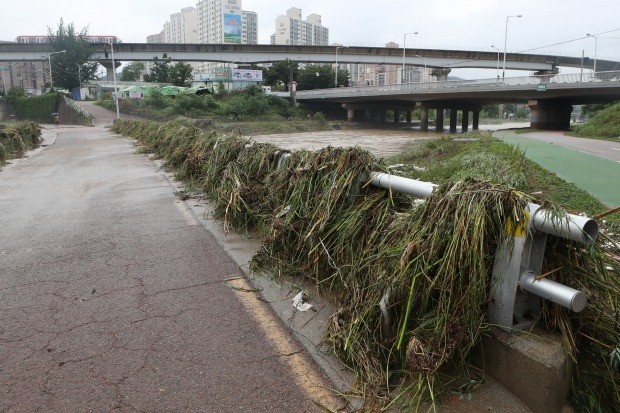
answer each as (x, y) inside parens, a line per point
(411, 281)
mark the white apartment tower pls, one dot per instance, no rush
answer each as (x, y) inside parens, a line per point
(219, 21)
(292, 30)
(182, 27)
(249, 34)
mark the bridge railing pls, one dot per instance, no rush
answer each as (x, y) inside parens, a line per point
(462, 84)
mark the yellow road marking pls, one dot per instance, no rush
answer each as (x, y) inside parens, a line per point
(305, 375)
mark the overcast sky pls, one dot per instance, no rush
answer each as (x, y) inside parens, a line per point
(547, 26)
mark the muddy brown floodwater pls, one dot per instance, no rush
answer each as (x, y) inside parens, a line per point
(380, 142)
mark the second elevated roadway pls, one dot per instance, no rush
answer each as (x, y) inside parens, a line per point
(254, 54)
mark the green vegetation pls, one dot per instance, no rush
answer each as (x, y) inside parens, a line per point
(132, 71)
(35, 108)
(250, 111)
(411, 281)
(280, 74)
(74, 65)
(604, 125)
(480, 156)
(16, 138)
(164, 71)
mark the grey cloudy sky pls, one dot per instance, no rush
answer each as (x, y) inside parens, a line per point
(547, 26)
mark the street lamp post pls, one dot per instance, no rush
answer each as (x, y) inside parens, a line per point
(505, 43)
(337, 47)
(595, 47)
(497, 66)
(402, 75)
(49, 59)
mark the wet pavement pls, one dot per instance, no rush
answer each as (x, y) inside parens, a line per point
(113, 297)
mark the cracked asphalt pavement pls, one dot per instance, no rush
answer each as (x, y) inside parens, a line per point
(112, 299)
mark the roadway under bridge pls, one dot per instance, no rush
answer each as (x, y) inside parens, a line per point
(255, 54)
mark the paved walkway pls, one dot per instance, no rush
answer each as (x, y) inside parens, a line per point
(592, 165)
(113, 296)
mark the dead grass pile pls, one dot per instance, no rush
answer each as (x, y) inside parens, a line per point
(18, 137)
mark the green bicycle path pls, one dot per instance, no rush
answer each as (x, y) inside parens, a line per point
(598, 176)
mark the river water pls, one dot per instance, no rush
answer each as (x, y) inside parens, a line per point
(380, 142)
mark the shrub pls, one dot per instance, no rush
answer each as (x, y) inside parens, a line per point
(36, 108)
(156, 99)
(320, 117)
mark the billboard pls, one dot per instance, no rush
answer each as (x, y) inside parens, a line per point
(247, 75)
(232, 28)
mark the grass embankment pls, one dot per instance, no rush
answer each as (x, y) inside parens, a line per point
(483, 157)
(411, 281)
(604, 125)
(16, 138)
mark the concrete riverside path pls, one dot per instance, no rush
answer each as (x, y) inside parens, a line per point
(593, 165)
(113, 296)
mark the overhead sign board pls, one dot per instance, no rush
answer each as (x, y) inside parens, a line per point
(541, 87)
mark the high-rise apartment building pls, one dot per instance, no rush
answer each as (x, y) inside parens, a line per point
(219, 21)
(182, 27)
(291, 29)
(249, 35)
(211, 21)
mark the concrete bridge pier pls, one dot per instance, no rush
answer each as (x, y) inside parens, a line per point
(109, 73)
(476, 120)
(439, 120)
(550, 114)
(424, 119)
(453, 114)
(350, 115)
(396, 116)
(465, 121)
(441, 73)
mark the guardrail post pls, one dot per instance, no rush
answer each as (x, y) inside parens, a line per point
(515, 289)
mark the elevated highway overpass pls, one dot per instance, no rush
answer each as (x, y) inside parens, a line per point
(255, 54)
(550, 108)
(550, 97)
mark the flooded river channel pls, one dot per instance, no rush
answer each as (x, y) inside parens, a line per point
(380, 142)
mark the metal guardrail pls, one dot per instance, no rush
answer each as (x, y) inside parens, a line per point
(81, 111)
(516, 285)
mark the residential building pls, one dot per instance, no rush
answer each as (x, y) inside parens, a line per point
(155, 38)
(291, 29)
(249, 35)
(182, 27)
(225, 22)
(28, 75)
(382, 74)
(220, 21)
